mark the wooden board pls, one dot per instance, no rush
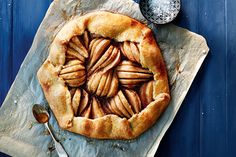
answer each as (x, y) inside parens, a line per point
(205, 124)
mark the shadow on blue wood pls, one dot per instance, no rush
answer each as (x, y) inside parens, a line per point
(204, 125)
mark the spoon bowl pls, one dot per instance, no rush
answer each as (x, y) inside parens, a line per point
(40, 113)
(42, 116)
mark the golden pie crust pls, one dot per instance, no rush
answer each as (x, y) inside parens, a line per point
(105, 77)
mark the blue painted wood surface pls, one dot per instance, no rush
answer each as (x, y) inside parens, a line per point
(205, 125)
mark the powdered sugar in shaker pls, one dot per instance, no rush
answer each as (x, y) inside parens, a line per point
(160, 11)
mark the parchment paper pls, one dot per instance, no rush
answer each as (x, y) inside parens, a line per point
(21, 135)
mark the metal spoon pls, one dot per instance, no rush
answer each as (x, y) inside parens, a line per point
(42, 116)
(159, 11)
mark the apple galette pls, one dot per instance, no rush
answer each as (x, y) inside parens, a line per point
(105, 77)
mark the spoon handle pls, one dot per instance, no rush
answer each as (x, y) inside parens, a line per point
(60, 150)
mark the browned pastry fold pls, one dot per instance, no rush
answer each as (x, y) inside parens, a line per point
(68, 46)
(55, 88)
